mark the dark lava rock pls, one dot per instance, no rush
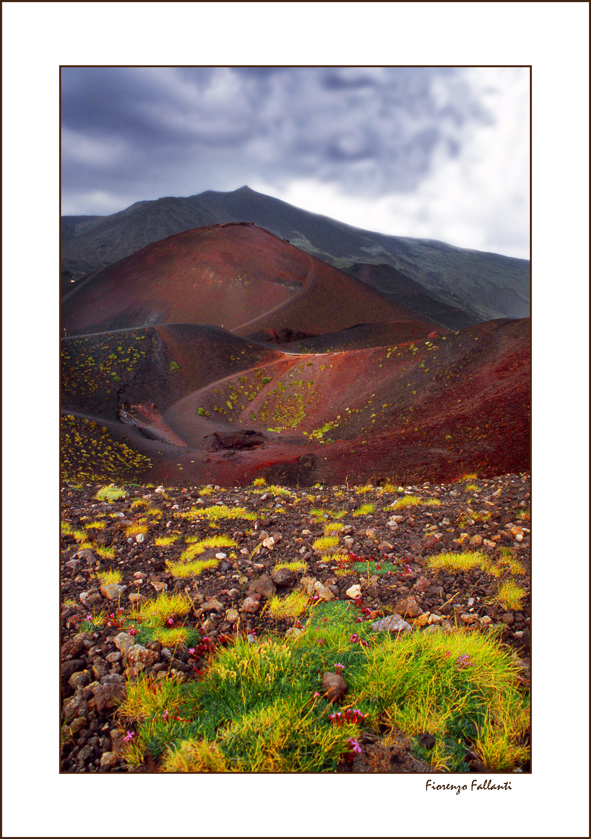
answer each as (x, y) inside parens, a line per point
(70, 667)
(283, 577)
(263, 585)
(334, 687)
(237, 440)
(426, 740)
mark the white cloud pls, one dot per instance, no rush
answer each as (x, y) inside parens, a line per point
(79, 147)
(478, 199)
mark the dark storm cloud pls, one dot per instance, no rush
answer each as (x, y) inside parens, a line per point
(145, 132)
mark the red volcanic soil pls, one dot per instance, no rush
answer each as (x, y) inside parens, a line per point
(432, 409)
(233, 275)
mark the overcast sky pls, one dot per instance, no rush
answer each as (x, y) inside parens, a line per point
(439, 153)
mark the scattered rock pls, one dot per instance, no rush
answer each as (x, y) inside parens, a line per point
(321, 591)
(422, 619)
(334, 687)
(252, 604)
(422, 584)
(354, 591)
(426, 740)
(211, 605)
(79, 680)
(77, 706)
(140, 658)
(107, 696)
(408, 608)
(112, 591)
(109, 760)
(284, 577)
(86, 555)
(72, 648)
(393, 623)
(263, 585)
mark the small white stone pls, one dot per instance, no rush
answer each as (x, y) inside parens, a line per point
(354, 591)
(221, 555)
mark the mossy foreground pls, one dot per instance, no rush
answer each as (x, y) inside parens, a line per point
(259, 706)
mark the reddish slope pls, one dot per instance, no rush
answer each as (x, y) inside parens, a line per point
(231, 275)
(428, 410)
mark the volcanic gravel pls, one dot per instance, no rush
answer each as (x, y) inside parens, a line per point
(491, 516)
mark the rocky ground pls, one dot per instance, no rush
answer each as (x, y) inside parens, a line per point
(490, 516)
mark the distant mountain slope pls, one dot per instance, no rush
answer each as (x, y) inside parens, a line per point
(475, 286)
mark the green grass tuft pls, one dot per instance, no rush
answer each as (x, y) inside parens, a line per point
(110, 493)
(258, 706)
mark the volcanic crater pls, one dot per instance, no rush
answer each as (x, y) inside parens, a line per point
(223, 354)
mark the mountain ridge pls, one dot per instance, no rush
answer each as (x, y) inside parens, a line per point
(476, 285)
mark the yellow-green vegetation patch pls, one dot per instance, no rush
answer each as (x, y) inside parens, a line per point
(462, 687)
(138, 502)
(136, 528)
(333, 527)
(365, 510)
(66, 528)
(165, 606)
(472, 516)
(90, 363)
(294, 565)
(218, 512)
(457, 561)
(508, 561)
(165, 541)
(110, 576)
(209, 542)
(320, 513)
(198, 756)
(292, 605)
(414, 501)
(172, 638)
(89, 453)
(388, 487)
(104, 552)
(259, 706)
(362, 490)
(111, 493)
(95, 525)
(324, 543)
(274, 490)
(192, 568)
(510, 595)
